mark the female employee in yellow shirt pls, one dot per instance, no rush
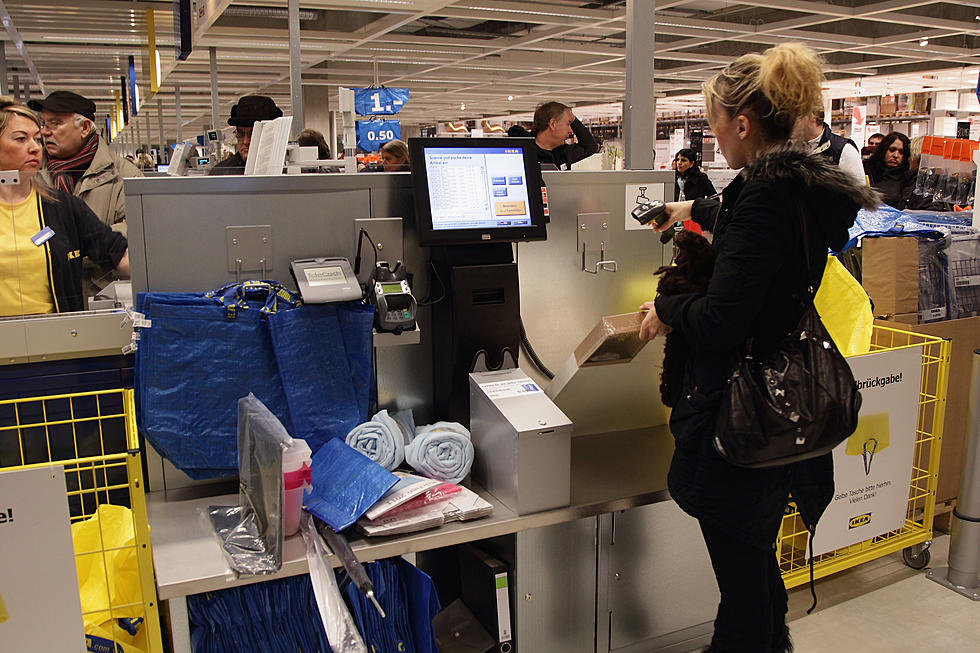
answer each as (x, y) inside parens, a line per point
(44, 233)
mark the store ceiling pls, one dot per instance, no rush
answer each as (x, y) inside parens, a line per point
(475, 53)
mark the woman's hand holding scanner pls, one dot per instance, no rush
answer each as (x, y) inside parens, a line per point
(651, 326)
(674, 212)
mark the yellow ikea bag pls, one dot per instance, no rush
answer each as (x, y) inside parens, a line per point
(845, 309)
(108, 580)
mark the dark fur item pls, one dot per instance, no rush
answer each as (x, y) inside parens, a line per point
(691, 272)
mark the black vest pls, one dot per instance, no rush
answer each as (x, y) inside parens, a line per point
(831, 145)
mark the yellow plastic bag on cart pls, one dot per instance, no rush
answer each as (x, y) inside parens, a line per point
(844, 309)
(108, 580)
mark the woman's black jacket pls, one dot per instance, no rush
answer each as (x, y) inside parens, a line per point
(757, 291)
(696, 185)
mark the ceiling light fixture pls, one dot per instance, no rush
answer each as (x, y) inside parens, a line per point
(462, 107)
(510, 98)
(923, 43)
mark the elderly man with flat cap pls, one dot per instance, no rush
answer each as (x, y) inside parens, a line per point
(78, 161)
(249, 110)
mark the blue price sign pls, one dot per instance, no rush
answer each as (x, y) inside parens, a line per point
(379, 101)
(372, 134)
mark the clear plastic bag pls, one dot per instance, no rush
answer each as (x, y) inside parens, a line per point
(337, 621)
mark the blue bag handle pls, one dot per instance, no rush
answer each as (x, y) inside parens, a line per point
(235, 296)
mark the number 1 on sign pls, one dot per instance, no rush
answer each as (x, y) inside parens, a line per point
(377, 102)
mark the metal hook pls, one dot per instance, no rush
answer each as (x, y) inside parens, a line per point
(602, 263)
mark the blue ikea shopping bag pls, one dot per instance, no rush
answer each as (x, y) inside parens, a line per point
(325, 358)
(202, 353)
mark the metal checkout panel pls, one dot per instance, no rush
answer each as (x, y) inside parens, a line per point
(613, 570)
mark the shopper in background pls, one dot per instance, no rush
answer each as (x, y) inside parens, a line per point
(44, 233)
(888, 170)
(873, 142)
(757, 293)
(310, 138)
(843, 152)
(78, 161)
(394, 156)
(249, 110)
(554, 123)
(690, 182)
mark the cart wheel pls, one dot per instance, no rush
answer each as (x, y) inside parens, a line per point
(916, 559)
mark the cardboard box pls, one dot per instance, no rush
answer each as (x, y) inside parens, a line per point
(615, 339)
(890, 274)
(964, 335)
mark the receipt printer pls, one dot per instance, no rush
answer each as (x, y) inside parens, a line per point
(522, 441)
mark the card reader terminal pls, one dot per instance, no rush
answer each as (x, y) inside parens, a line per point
(394, 306)
(325, 280)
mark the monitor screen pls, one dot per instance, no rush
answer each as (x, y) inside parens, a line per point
(476, 190)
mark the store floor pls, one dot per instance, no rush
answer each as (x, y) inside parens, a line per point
(883, 605)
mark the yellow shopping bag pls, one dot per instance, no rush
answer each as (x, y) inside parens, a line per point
(845, 309)
(108, 579)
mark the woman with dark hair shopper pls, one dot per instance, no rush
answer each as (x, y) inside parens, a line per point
(761, 285)
(888, 170)
(690, 182)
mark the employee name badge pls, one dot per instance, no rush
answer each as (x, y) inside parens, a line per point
(42, 236)
(510, 388)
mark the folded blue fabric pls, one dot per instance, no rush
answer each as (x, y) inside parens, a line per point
(345, 484)
(442, 451)
(381, 439)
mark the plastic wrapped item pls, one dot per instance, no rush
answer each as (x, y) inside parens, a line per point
(382, 439)
(933, 295)
(345, 484)
(337, 622)
(963, 260)
(888, 221)
(437, 494)
(946, 171)
(462, 506)
(442, 450)
(252, 532)
(408, 487)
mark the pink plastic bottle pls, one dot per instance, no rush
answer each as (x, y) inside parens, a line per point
(296, 460)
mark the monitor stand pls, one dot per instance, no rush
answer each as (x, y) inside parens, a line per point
(477, 326)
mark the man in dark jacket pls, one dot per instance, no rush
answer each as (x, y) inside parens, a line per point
(842, 152)
(249, 110)
(554, 123)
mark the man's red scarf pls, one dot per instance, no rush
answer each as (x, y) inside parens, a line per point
(67, 172)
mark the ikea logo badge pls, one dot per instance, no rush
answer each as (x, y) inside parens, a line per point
(860, 520)
(73, 254)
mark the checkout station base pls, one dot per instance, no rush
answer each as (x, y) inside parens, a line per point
(616, 570)
(620, 568)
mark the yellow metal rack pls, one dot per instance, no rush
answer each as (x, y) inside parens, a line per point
(917, 530)
(93, 435)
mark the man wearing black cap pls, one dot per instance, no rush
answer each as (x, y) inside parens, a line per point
(78, 161)
(244, 115)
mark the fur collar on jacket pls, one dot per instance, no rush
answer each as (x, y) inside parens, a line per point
(830, 195)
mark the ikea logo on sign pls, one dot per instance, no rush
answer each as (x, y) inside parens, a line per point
(860, 520)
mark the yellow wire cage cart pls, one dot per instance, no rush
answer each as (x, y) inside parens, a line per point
(93, 435)
(914, 537)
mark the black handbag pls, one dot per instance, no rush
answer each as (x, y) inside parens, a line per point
(798, 402)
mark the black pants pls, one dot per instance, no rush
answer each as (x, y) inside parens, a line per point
(752, 613)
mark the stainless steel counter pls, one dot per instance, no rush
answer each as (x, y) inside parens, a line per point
(609, 473)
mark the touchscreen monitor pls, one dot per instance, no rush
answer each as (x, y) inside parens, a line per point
(477, 190)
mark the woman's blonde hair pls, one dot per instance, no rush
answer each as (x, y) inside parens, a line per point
(915, 151)
(776, 89)
(11, 107)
